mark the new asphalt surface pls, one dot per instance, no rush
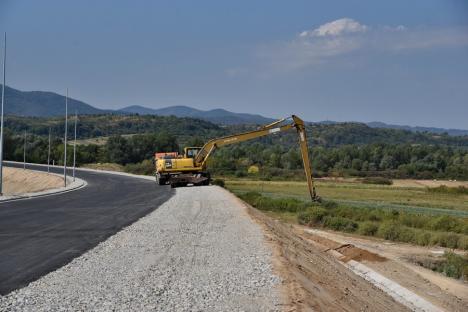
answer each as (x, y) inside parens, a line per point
(41, 234)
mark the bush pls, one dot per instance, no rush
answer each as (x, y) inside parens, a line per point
(463, 242)
(368, 228)
(313, 215)
(219, 182)
(146, 167)
(329, 204)
(389, 230)
(446, 223)
(273, 204)
(455, 266)
(377, 180)
(407, 235)
(449, 240)
(448, 190)
(423, 238)
(240, 174)
(340, 224)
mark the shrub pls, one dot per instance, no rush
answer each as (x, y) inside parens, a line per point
(274, 204)
(368, 228)
(146, 167)
(240, 174)
(449, 240)
(313, 215)
(250, 197)
(407, 235)
(448, 190)
(446, 223)
(423, 238)
(414, 220)
(329, 204)
(377, 180)
(455, 266)
(340, 224)
(462, 242)
(219, 182)
(389, 230)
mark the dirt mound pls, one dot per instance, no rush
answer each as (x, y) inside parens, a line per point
(351, 252)
(19, 181)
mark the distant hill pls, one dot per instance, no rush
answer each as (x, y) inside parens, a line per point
(49, 104)
(43, 104)
(377, 124)
(219, 116)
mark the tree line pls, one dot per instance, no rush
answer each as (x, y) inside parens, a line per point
(346, 149)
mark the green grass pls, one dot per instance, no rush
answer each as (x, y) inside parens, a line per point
(417, 199)
(421, 225)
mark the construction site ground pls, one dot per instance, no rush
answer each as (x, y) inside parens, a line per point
(313, 277)
(205, 249)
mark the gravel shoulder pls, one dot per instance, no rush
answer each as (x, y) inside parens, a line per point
(198, 251)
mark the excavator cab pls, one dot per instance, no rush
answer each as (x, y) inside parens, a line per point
(191, 152)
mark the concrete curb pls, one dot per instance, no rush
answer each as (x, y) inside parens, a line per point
(71, 186)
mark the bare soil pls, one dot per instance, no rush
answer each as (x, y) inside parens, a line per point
(19, 181)
(398, 265)
(313, 280)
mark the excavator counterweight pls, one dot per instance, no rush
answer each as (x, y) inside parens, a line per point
(191, 167)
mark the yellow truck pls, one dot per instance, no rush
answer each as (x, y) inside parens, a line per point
(190, 168)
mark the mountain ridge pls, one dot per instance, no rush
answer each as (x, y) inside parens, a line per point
(47, 104)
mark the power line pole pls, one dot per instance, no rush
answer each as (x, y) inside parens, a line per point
(74, 148)
(65, 140)
(1, 119)
(24, 151)
(48, 155)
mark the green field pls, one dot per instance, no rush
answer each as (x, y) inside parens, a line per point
(414, 214)
(412, 199)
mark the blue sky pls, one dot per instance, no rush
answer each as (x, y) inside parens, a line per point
(402, 62)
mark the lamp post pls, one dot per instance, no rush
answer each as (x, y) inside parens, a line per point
(65, 140)
(74, 148)
(1, 118)
(24, 151)
(48, 155)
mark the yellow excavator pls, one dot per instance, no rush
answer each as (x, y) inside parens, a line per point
(190, 168)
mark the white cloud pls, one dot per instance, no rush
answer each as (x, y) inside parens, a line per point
(336, 28)
(344, 36)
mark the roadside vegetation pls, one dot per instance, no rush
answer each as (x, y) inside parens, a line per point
(451, 264)
(393, 225)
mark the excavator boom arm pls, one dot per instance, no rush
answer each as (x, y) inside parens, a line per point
(203, 155)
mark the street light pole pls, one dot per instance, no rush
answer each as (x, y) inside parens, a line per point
(65, 140)
(1, 119)
(74, 148)
(24, 151)
(48, 155)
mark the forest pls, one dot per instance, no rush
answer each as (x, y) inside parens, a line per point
(345, 149)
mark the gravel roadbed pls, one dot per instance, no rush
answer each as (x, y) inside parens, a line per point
(199, 251)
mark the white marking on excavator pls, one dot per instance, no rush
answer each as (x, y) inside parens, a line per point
(274, 130)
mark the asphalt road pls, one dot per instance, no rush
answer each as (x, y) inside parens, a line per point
(42, 234)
